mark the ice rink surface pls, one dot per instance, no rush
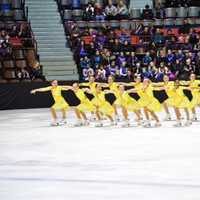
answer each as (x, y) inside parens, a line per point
(39, 162)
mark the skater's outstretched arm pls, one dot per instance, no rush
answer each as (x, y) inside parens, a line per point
(132, 91)
(87, 90)
(46, 89)
(67, 87)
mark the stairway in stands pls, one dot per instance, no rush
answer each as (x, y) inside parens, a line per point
(55, 56)
(140, 4)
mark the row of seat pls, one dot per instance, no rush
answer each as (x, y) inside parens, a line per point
(12, 9)
(14, 4)
(182, 12)
(132, 24)
(74, 4)
(77, 14)
(20, 59)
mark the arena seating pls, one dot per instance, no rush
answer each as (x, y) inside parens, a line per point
(18, 48)
(139, 28)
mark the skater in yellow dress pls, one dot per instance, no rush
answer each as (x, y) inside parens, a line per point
(113, 86)
(92, 86)
(194, 86)
(149, 103)
(135, 105)
(178, 100)
(163, 85)
(102, 106)
(60, 103)
(127, 103)
(84, 106)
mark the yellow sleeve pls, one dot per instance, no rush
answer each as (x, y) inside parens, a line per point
(45, 89)
(84, 84)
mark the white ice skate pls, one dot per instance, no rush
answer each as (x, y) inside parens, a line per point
(55, 123)
(78, 123)
(188, 123)
(99, 124)
(194, 118)
(125, 124)
(113, 123)
(167, 118)
(158, 124)
(92, 118)
(117, 119)
(63, 122)
(178, 124)
(146, 124)
(86, 123)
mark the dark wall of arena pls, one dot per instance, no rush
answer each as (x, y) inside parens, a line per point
(17, 96)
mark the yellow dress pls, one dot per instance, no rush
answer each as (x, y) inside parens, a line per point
(60, 102)
(153, 103)
(171, 92)
(85, 103)
(129, 103)
(142, 102)
(195, 92)
(114, 87)
(92, 87)
(148, 100)
(103, 106)
(177, 97)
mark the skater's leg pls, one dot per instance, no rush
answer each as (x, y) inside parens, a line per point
(187, 114)
(178, 117)
(165, 106)
(194, 115)
(83, 115)
(125, 113)
(138, 116)
(78, 114)
(188, 122)
(54, 116)
(146, 113)
(63, 113)
(154, 116)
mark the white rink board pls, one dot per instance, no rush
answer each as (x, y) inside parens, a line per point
(39, 162)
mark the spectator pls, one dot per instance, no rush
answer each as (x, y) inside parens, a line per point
(158, 38)
(4, 44)
(89, 12)
(132, 60)
(22, 74)
(98, 12)
(122, 10)
(123, 70)
(110, 11)
(101, 74)
(87, 72)
(36, 72)
(146, 59)
(147, 13)
(97, 59)
(185, 28)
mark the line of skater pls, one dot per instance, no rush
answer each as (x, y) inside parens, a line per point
(137, 97)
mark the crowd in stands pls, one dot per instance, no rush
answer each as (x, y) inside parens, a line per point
(149, 51)
(119, 10)
(94, 11)
(14, 38)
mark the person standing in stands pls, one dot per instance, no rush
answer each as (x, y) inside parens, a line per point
(60, 103)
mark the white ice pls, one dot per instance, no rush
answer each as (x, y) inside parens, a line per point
(39, 162)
